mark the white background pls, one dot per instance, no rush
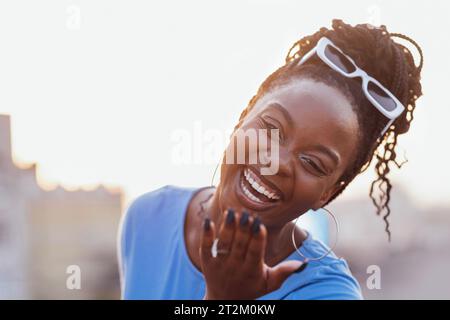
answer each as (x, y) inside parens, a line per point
(95, 89)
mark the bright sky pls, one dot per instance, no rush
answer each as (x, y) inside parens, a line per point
(96, 89)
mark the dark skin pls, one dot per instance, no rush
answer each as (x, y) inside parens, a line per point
(315, 115)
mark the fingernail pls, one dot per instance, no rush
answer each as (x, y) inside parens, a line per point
(255, 226)
(244, 219)
(207, 224)
(230, 216)
(301, 268)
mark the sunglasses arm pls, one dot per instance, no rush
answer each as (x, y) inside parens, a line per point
(386, 128)
(307, 56)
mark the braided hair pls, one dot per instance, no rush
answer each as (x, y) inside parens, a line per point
(392, 64)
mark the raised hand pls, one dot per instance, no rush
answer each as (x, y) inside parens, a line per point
(238, 271)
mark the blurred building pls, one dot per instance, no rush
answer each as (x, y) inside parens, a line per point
(15, 189)
(415, 264)
(42, 233)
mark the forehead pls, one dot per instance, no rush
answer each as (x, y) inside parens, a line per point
(314, 105)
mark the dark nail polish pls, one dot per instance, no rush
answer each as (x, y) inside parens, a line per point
(207, 224)
(255, 226)
(244, 219)
(301, 268)
(230, 216)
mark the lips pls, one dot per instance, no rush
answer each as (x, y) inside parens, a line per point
(256, 192)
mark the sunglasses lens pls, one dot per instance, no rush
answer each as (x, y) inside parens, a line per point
(381, 96)
(339, 59)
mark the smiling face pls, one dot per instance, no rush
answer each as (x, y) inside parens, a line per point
(318, 135)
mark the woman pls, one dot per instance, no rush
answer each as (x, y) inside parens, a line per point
(343, 97)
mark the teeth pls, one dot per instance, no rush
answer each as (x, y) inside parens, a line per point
(259, 188)
(249, 194)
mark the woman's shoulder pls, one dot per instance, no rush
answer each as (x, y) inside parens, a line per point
(160, 199)
(329, 278)
(159, 194)
(149, 223)
(153, 212)
(326, 282)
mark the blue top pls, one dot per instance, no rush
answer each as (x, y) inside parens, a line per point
(154, 263)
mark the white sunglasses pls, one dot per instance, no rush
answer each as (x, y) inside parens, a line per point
(378, 95)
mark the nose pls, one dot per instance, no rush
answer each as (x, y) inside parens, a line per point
(285, 164)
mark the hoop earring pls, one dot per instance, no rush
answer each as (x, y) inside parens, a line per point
(214, 175)
(326, 253)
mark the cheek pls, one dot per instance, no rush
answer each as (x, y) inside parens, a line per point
(231, 166)
(227, 174)
(228, 171)
(307, 190)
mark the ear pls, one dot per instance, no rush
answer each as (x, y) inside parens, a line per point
(327, 195)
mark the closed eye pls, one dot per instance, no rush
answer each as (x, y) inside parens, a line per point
(313, 166)
(269, 126)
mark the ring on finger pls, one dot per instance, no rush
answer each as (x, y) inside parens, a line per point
(215, 251)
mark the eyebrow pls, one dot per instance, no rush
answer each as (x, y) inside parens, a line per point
(286, 115)
(330, 153)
